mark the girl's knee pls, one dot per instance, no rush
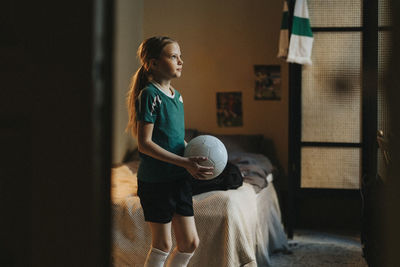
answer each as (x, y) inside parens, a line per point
(196, 243)
(164, 245)
(189, 246)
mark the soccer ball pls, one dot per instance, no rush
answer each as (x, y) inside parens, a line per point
(210, 147)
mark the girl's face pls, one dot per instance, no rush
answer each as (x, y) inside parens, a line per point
(170, 63)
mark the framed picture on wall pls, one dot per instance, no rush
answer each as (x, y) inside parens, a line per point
(229, 109)
(267, 82)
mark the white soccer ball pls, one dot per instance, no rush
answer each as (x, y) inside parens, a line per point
(210, 147)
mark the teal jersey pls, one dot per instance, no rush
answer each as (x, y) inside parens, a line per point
(167, 115)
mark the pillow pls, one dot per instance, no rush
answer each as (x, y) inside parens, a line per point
(251, 159)
(240, 142)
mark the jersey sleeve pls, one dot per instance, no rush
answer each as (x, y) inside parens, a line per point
(148, 106)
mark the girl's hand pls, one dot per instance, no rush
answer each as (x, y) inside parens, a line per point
(196, 170)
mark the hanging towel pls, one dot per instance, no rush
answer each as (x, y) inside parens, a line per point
(284, 33)
(301, 38)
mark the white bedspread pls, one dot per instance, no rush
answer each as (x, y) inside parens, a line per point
(234, 226)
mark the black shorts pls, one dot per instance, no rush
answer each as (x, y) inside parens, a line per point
(161, 200)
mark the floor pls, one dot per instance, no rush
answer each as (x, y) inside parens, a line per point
(321, 248)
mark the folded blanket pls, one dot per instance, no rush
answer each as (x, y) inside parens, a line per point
(256, 169)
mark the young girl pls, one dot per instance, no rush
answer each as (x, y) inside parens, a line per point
(156, 118)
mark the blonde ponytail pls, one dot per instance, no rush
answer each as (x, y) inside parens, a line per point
(151, 48)
(138, 82)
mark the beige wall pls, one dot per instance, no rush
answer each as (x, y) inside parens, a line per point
(220, 42)
(128, 34)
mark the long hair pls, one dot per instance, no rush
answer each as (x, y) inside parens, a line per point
(150, 48)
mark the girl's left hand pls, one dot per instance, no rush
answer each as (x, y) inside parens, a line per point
(196, 170)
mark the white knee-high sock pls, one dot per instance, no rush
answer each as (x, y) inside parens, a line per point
(178, 259)
(155, 258)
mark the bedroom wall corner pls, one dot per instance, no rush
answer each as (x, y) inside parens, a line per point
(128, 33)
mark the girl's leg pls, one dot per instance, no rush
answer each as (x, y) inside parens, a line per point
(186, 238)
(185, 233)
(161, 244)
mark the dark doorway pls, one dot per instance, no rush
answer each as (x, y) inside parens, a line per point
(55, 127)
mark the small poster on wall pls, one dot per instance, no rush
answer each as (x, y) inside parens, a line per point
(229, 109)
(267, 82)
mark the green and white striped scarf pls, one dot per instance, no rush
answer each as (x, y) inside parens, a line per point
(301, 38)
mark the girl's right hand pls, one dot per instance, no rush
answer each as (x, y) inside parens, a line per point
(196, 170)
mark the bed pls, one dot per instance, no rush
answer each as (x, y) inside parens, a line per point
(239, 227)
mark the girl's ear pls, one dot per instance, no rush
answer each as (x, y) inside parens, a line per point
(153, 63)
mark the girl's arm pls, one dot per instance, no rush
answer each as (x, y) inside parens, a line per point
(147, 146)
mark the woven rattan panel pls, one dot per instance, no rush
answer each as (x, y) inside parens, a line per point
(384, 56)
(327, 167)
(325, 13)
(331, 89)
(384, 13)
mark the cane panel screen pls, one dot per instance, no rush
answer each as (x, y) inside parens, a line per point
(326, 13)
(331, 89)
(329, 167)
(384, 56)
(384, 13)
